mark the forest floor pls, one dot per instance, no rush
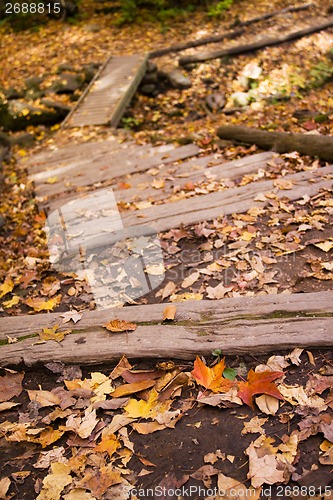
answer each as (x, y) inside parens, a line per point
(68, 436)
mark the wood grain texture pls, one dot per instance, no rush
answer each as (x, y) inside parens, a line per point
(236, 326)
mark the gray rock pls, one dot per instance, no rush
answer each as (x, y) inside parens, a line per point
(66, 84)
(13, 93)
(5, 147)
(90, 71)
(150, 78)
(33, 82)
(61, 109)
(65, 67)
(241, 98)
(23, 139)
(149, 89)
(216, 101)
(178, 80)
(33, 94)
(18, 115)
(151, 67)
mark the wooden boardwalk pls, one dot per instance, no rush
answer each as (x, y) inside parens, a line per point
(108, 95)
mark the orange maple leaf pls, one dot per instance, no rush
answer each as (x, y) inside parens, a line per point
(258, 383)
(119, 325)
(211, 378)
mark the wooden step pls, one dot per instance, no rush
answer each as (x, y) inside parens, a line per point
(108, 95)
(238, 325)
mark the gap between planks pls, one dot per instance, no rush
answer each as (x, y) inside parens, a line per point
(236, 325)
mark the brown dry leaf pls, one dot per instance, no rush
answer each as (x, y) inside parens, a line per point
(325, 246)
(50, 286)
(10, 386)
(165, 292)
(169, 313)
(6, 287)
(44, 398)
(71, 316)
(7, 405)
(53, 334)
(39, 304)
(46, 458)
(54, 483)
(48, 436)
(254, 426)
(155, 269)
(204, 474)
(79, 494)
(119, 325)
(267, 404)
(211, 458)
(122, 367)
(221, 399)
(82, 426)
(4, 487)
(264, 466)
(158, 183)
(283, 184)
(190, 280)
(295, 356)
(218, 292)
(148, 427)
(99, 480)
(127, 389)
(234, 490)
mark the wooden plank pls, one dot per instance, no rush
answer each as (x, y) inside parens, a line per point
(110, 93)
(103, 167)
(196, 209)
(194, 170)
(237, 325)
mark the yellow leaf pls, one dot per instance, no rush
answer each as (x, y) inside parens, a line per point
(12, 302)
(54, 483)
(119, 325)
(325, 246)
(109, 443)
(150, 408)
(6, 287)
(169, 313)
(44, 398)
(52, 180)
(38, 304)
(158, 183)
(126, 389)
(155, 269)
(183, 297)
(52, 334)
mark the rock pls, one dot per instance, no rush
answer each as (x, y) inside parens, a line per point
(92, 28)
(23, 139)
(216, 101)
(18, 115)
(252, 71)
(149, 89)
(33, 82)
(151, 67)
(67, 84)
(33, 94)
(150, 78)
(90, 71)
(178, 80)
(65, 67)
(207, 80)
(303, 114)
(61, 109)
(13, 93)
(240, 98)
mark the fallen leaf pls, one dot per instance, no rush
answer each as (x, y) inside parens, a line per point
(82, 426)
(53, 334)
(6, 287)
(126, 389)
(234, 489)
(211, 378)
(325, 246)
(190, 280)
(12, 302)
(155, 269)
(267, 404)
(44, 398)
(108, 443)
(119, 325)
(54, 483)
(4, 487)
(165, 292)
(169, 313)
(79, 494)
(218, 292)
(254, 426)
(99, 480)
(7, 405)
(10, 386)
(71, 316)
(39, 304)
(259, 383)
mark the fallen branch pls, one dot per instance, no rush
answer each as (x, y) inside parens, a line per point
(196, 43)
(251, 47)
(269, 15)
(282, 142)
(227, 35)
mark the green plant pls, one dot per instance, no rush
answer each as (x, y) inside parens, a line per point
(218, 9)
(130, 123)
(321, 73)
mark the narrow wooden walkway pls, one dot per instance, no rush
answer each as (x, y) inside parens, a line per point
(236, 326)
(108, 95)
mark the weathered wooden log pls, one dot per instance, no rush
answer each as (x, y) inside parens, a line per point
(281, 142)
(195, 43)
(275, 13)
(251, 47)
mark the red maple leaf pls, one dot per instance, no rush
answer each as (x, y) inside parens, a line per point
(259, 383)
